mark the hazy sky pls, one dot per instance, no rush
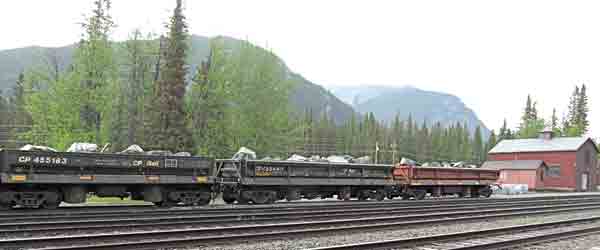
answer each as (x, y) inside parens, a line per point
(489, 53)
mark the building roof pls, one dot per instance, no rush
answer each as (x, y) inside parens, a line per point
(561, 144)
(516, 165)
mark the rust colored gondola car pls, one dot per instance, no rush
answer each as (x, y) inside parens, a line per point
(417, 182)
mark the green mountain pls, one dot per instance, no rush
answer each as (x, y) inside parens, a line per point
(305, 95)
(386, 102)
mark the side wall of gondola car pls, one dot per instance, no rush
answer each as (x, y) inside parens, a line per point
(34, 178)
(419, 181)
(267, 181)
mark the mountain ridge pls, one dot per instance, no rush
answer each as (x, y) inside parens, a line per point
(385, 102)
(305, 94)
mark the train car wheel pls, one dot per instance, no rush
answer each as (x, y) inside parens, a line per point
(203, 202)
(486, 192)
(242, 201)
(229, 200)
(5, 206)
(165, 204)
(420, 194)
(380, 195)
(50, 205)
(261, 197)
(363, 195)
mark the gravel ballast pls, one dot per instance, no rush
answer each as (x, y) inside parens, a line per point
(591, 242)
(349, 238)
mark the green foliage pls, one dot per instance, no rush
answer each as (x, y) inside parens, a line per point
(577, 122)
(478, 147)
(554, 123)
(75, 106)
(531, 125)
(491, 143)
(398, 139)
(139, 63)
(239, 97)
(505, 132)
(168, 119)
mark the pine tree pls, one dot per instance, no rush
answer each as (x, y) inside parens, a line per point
(505, 132)
(572, 116)
(491, 143)
(17, 103)
(530, 123)
(582, 111)
(139, 56)
(96, 67)
(168, 122)
(554, 122)
(467, 146)
(410, 143)
(478, 147)
(528, 109)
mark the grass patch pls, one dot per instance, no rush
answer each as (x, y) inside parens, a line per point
(111, 200)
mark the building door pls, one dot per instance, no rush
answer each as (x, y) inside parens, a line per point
(584, 182)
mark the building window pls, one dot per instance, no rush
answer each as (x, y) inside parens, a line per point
(553, 171)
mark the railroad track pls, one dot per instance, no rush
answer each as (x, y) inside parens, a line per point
(41, 227)
(112, 224)
(226, 235)
(36, 215)
(490, 239)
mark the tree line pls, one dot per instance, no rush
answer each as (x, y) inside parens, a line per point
(388, 143)
(138, 92)
(574, 123)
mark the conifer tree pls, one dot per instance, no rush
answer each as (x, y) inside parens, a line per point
(505, 132)
(492, 141)
(530, 123)
(582, 111)
(140, 53)
(20, 116)
(410, 142)
(572, 116)
(554, 123)
(467, 147)
(478, 147)
(168, 119)
(95, 66)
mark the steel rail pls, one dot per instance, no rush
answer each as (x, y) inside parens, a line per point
(227, 235)
(25, 223)
(47, 217)
(133, 209)
(42, 227)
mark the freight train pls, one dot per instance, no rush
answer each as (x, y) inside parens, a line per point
(45, 179)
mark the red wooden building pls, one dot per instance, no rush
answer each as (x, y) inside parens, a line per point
(530, 172)
(571, 162)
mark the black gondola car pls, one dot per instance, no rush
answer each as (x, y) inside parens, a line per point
(39, 178)
(262, 182)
